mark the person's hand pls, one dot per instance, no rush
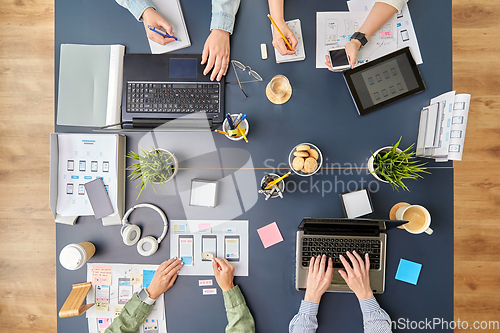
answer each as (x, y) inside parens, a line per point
(357, 277)
(318, 279)
(278, 41)
(216, 51)
(224, 273)
(152, 18)
(164, 277)
(351, 48)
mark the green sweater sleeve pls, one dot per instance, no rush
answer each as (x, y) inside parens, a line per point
(238, 315)
(132, 316)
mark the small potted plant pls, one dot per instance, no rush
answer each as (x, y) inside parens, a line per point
(392, 165)
(156, 166)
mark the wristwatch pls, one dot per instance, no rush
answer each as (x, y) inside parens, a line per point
(144, 297)
(361, 37)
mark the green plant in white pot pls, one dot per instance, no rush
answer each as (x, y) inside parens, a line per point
(156, 166)
(392, 165)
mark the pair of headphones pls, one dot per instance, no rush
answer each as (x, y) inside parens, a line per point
(131, 233)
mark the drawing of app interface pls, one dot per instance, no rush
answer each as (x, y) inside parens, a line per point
(71, 165)
(186, 249)
(151, 326)
(105, 166)
(82, 166)
(209, 245)
(125, 290)
(93, 166)
(331, 32)
(232, 248)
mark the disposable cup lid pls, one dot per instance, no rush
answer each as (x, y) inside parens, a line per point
(71, 257)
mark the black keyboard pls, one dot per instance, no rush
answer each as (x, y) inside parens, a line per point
(164, 97)
(333, 247)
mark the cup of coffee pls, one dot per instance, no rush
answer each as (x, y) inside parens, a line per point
(279, 85)
(418, 219)
(74, 256)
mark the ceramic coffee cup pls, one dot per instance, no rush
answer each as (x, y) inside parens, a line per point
(419, 219)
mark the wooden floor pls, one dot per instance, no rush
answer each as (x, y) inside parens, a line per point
(27, 236)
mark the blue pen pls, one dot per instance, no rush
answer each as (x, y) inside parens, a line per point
(162, 32)
(239, 122)
(236, 120)
(230, 121)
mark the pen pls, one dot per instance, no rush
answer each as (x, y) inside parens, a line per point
(162, 32)
(283, 36)
(229, 121)
(239, 122)
(222, 132)
(242, 132)
(274, 182)
(236, 120)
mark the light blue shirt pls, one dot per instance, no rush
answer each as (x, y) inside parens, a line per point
(223, 11)
(375, 320)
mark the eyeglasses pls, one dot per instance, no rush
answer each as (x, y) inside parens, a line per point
(252, 73)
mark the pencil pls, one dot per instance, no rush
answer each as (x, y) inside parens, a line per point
(222, 132)
(242, 132)
(274, 182)
(283, 36)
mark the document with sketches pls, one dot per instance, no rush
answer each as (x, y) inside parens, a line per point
(406, 32)
(300, 52)
(124, 283)
(172, 12)
(220, 238)
(334, 29)
(82, 158)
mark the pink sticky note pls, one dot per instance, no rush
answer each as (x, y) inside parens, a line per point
(204, 227)
(101, 275)
(385, 33)
(270, 235)
(104, 323)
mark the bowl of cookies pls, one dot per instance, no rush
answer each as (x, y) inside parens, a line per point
(305, 159)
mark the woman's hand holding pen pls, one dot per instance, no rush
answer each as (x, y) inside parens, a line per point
(152, 18)
(278, 41)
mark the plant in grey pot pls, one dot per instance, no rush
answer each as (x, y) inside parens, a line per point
(392, 165)
(156, 166)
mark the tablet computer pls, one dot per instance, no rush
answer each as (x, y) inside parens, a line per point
(383, 81)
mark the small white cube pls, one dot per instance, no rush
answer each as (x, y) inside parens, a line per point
(203, 193)
(356, 203)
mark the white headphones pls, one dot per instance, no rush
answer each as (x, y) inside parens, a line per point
(131, 232)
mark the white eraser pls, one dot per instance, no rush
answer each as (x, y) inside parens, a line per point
(263, 50)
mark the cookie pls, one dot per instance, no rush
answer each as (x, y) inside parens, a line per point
(310, 165)
(301, 154)
(298, 163)
(313, 153)
(302, 148)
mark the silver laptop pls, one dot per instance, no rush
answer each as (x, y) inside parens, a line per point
(335, 236)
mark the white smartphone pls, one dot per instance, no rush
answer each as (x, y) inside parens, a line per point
(186, 249)
(208, 245)
(232, 248)
(339, 59)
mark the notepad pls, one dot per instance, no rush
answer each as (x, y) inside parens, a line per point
(294, 25)
(270, 235)
(172, 12)
(408, 271)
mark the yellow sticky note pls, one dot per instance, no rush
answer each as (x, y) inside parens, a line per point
(136, 279)
(118, 310)
(102, 306)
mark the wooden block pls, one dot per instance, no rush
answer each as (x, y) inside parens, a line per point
(73, 305)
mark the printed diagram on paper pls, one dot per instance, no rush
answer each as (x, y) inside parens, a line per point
(406, 32)
(334, 29)
(124, 280)
(221, 238)
(83, 158)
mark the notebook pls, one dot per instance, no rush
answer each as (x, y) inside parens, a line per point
(90, 85)
(294, 25)
(335, 236)
(172, 12)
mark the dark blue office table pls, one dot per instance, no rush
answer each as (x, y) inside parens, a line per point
(320, 111)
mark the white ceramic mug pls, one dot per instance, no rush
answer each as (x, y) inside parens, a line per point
(419, 219)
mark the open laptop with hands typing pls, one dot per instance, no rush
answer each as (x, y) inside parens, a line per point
(335, 236)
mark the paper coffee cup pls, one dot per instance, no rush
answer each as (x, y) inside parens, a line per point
(419, 219)
(74, 256)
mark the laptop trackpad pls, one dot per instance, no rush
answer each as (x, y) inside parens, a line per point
(182, 68)
(337, 279)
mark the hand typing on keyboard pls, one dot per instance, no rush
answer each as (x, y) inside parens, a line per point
(217, 52)
(357, 276)
(319, 278)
